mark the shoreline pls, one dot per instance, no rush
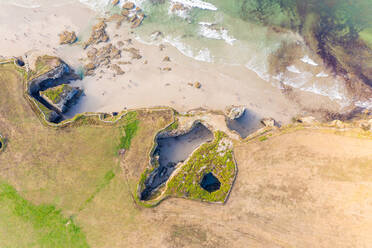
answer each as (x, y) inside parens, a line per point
(221, 85)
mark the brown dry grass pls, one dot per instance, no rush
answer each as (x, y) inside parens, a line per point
(302, 188)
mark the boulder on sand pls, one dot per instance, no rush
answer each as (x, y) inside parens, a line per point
(67, 37)
(117, 69)
(268, 122)
(236, 112)
(98, 34)
(128, 5)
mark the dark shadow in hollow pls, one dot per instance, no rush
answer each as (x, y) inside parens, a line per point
(171, 151)
(210, 183)
(246, 124)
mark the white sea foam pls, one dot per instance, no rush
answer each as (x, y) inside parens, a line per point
(306, 59)
(102, 5)
(207, 30)
(364, 104)
(202, 55)
(196, 4)
(322, 75)
(29, 4)
(258, 68)
(293, 69)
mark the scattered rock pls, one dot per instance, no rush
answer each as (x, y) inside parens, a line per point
(121, 152)
(167, 69)
(125, 13)
(98, 34)
(268, 122)
(236, 112)
(67, 37)
(124, 63)
(120, 43)
(197, 85)
(366, 126)
(161, 47)
(115, 2)
(166, 59)
(134, 52)
(117, 69)
(178, 7)
(61, 96)
(338, 123)
(89, 68)
(115, 17)
(128, 5)
(145, 62)
(307, 120)
(133, 18)
(92, 53)
(155, 35)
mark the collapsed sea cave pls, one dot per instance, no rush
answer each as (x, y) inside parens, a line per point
(61, 75)
(245, 124)
(173, 150)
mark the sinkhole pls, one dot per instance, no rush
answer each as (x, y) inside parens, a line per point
(210, 183)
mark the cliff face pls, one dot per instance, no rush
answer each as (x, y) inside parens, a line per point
(46, 80)
(61, 96)
(48, 89)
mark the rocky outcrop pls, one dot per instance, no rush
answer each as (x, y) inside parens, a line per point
(60, 97)
(67, 37)
(89, 69)
(135, 53)
(48, 72)
(132, 14)
(102, 56)
(306, 120)
(117, 69)
(45, 80)
(268, 122)
(178, 7)
(98, 34)
(197, 85)
(236, 112)
(128, 5)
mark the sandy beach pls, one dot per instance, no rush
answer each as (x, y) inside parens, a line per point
(148, 81)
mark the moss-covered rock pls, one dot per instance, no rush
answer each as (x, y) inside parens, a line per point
(60, 96)
(216, 158)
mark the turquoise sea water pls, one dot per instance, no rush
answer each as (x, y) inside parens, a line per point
(249, 32)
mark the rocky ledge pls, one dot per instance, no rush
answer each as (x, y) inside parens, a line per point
(60, 97)
(47, 87)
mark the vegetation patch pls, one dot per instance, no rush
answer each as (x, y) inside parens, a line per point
(216, 158)
(43, 64)
(54, 94)
(44, 224)
(129, 130)
(105, 181)
(2, 143)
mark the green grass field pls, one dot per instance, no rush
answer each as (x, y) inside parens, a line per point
(56, 176)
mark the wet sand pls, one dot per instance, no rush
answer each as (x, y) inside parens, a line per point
(144, 83)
